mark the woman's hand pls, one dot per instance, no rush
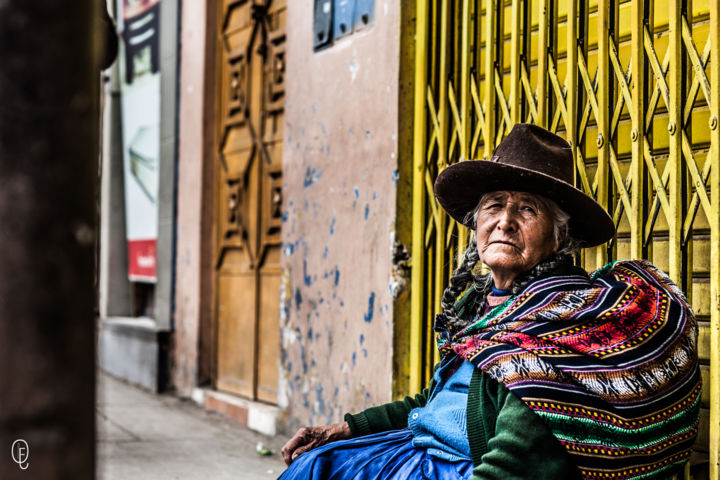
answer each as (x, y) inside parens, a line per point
(308, 438)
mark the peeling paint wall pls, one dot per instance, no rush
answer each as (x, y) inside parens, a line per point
(340, 182)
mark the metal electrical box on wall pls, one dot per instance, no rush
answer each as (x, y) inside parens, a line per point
(335, 19)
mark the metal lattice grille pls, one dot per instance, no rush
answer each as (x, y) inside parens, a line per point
(633, 86)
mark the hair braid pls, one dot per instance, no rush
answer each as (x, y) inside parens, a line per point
(460, 279)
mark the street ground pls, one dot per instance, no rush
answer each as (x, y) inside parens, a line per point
(146, 436)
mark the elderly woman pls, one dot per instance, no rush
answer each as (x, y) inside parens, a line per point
(546, 371)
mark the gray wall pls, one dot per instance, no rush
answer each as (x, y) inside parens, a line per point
(168, 159)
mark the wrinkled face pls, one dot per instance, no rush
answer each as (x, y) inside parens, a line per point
(514, 233)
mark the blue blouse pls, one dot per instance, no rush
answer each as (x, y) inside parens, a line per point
(440, 426)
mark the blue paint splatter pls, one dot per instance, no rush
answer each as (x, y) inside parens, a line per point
(395, 177)
(306, 278)
(289, 367)
(356, 192)
(336, 391)
(337, 276)
(284, 216)
(367, 133)
(375, 195)
(298, 299)
(311, 176)
(342, 304)
(289, 249)
(362, 339)
(367, 211)
(371, 306)
(310, 334)
(320, 400)
(332, 226)
(365, 352)
(325, 253)
(354, 358)
(303, 358)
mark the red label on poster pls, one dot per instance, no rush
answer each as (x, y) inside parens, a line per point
(142, 260)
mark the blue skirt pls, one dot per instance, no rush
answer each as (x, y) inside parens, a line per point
(386, 456)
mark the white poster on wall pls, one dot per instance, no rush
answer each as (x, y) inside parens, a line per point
(139, 26)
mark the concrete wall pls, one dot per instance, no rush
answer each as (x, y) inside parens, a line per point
(113, 283)
(194, 212)
(340, 183)
(166, 187)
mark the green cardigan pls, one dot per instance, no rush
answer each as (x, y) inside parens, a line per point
(507, 439)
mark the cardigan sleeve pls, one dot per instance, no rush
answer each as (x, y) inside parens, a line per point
(390, 416)
(519, 445)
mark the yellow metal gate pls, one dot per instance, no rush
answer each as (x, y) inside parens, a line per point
(634, 86)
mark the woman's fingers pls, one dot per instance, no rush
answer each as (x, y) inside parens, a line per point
(308, 438)
(299, 439)
(303, 449)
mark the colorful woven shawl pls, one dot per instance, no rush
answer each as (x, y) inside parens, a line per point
(609, 362)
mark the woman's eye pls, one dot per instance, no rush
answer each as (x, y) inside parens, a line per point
(528, 208)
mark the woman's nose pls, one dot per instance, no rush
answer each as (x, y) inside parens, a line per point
(507, 220)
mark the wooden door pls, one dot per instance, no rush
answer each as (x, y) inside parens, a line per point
(248, 196)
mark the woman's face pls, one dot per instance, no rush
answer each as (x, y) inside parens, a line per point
(514, 233)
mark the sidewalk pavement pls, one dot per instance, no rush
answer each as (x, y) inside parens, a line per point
(146, 436)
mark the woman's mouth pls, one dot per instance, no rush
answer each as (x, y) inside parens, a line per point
(501, 242)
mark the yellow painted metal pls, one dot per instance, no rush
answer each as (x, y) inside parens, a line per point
(515, 53)
(417, 314)
(602, 138)
(674, 107)
(715, 244)
(466, 45)
(571, 78)
(542, 81)
(444, 144)
(637, 134)
(489, 100)
(630, 84)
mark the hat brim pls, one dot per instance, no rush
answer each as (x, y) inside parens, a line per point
(459, 187)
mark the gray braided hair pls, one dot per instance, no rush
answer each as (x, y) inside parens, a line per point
(463, 276)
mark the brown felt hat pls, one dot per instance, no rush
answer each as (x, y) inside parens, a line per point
(530, 159)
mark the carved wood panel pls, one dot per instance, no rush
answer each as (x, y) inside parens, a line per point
(250, 94)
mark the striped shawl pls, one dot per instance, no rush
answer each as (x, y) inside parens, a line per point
(609, 362)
